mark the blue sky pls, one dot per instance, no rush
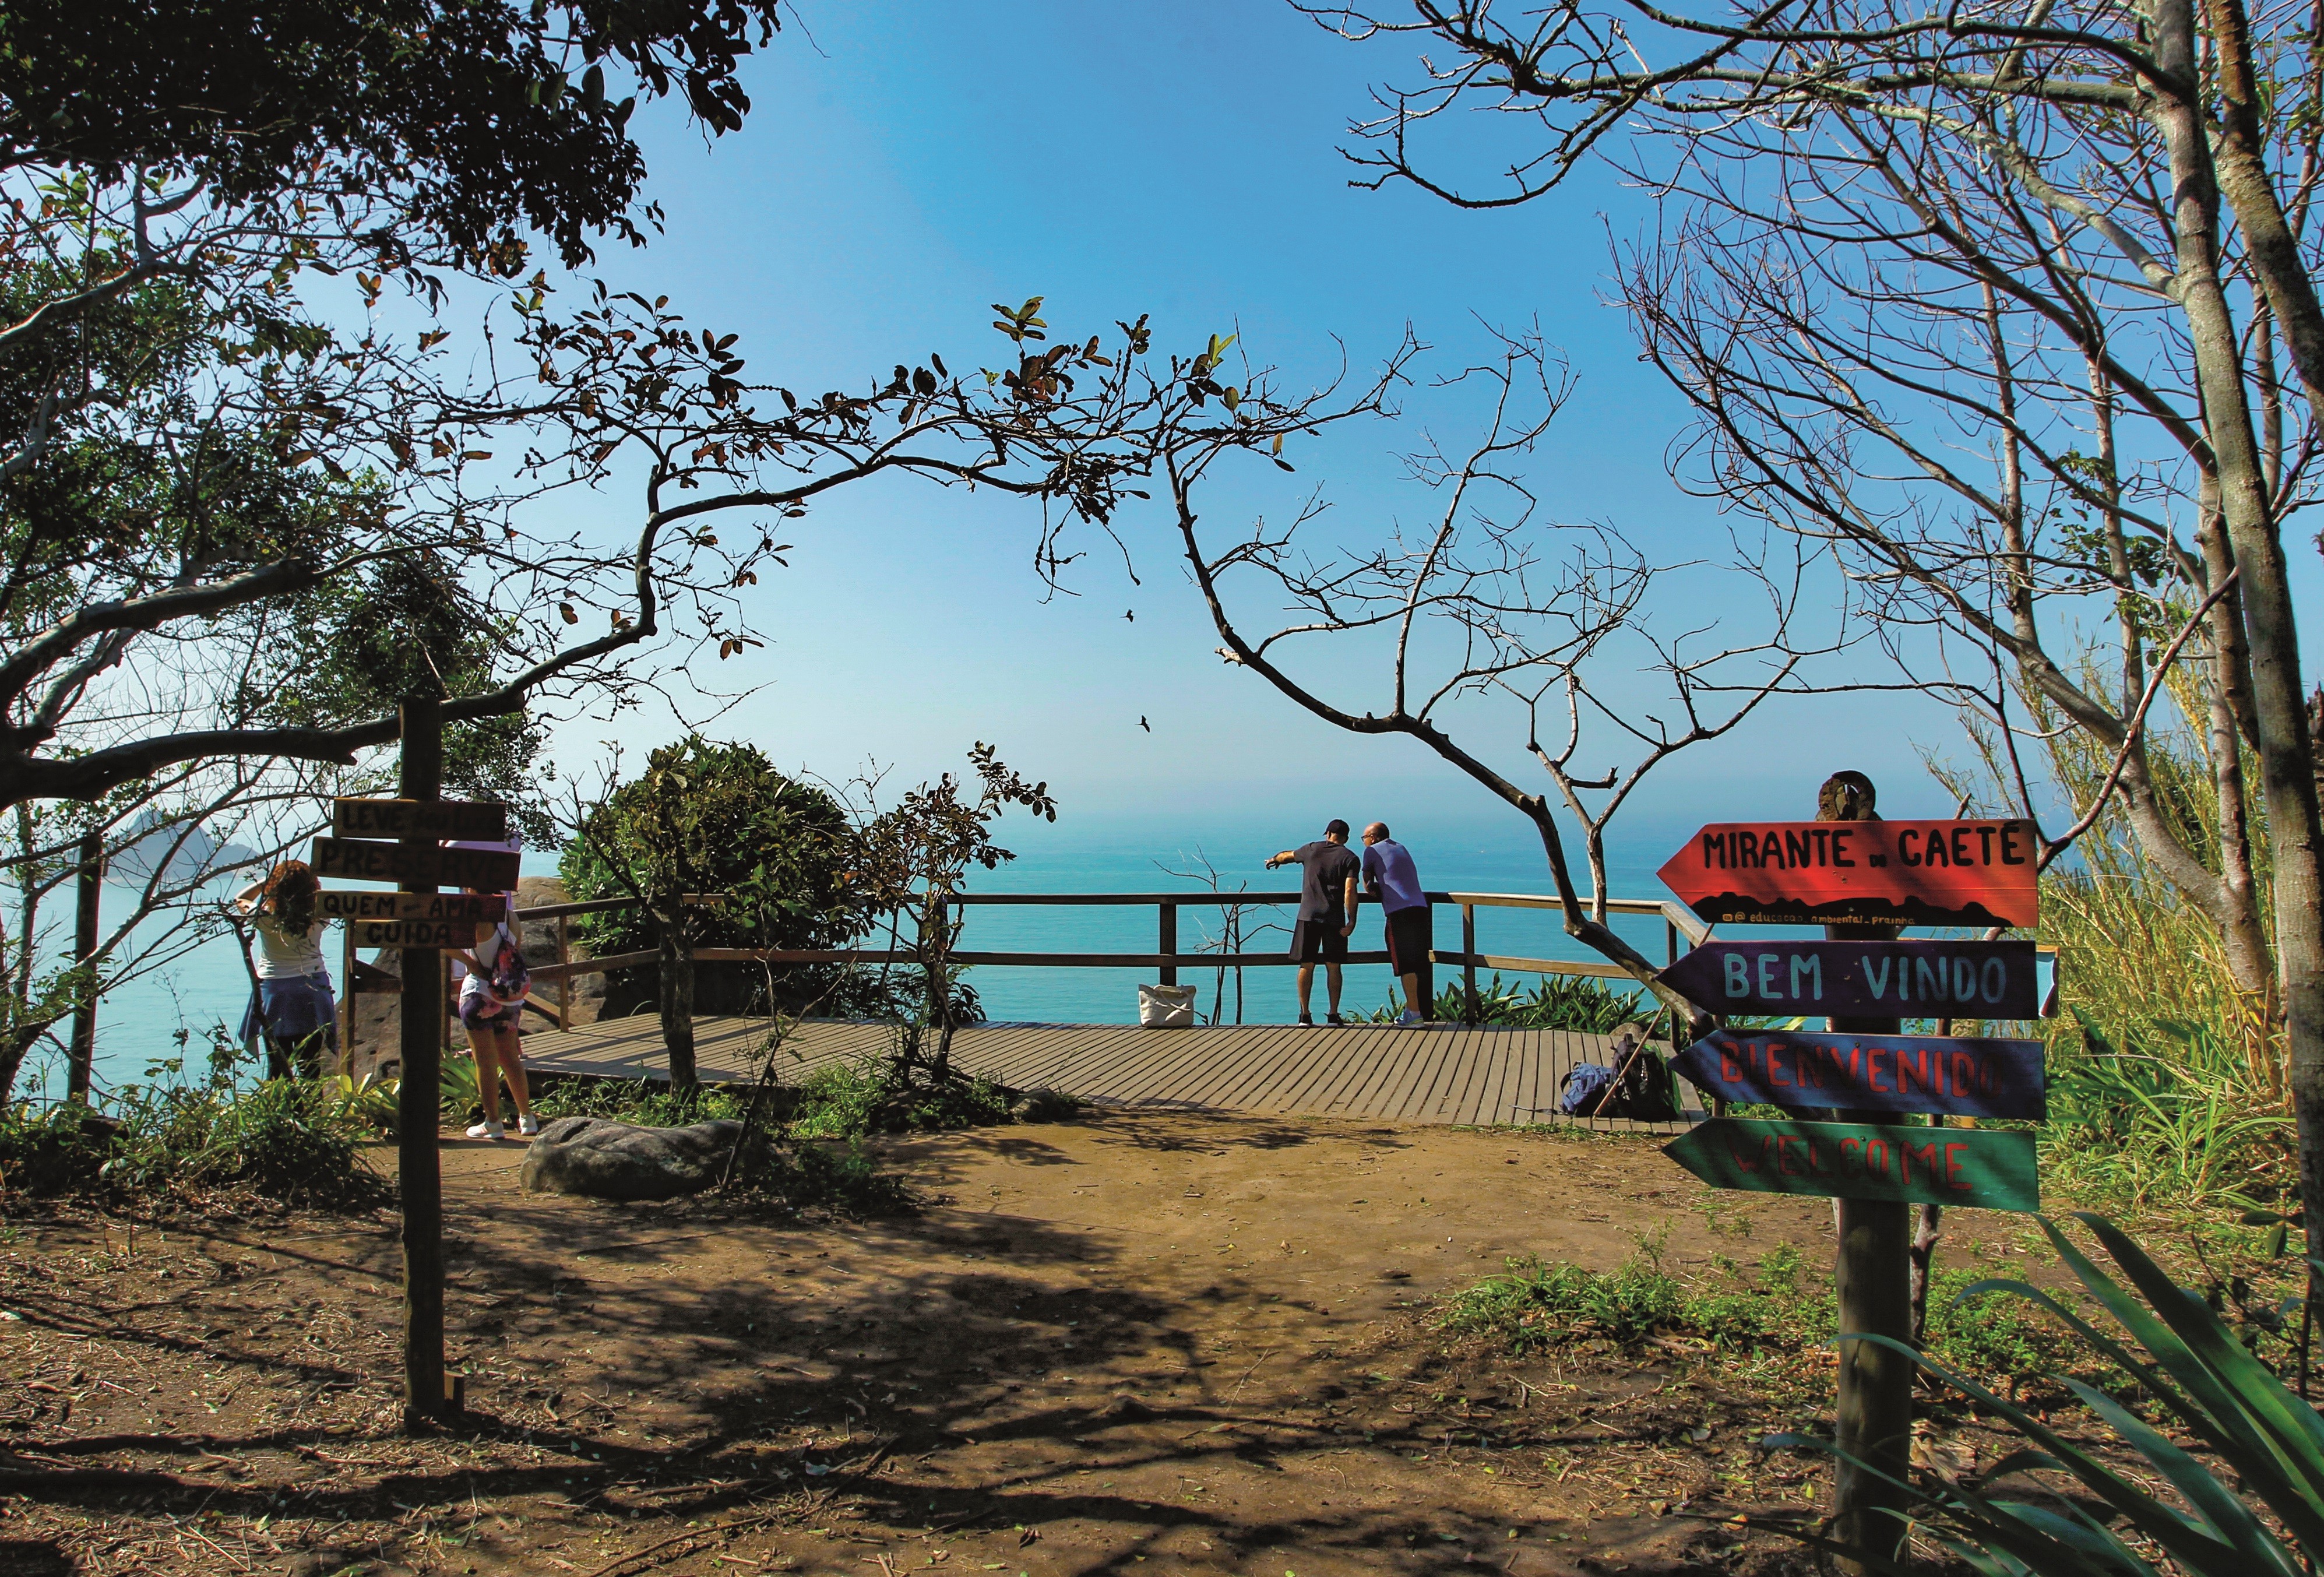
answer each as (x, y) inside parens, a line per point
(908, 164)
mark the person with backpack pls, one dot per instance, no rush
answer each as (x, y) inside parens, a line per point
(492, 986)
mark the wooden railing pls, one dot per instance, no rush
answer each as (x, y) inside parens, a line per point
(1166, 960)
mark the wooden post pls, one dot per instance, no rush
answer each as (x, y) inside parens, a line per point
(348, 995)
(1874, 1418)
(1169, 941)
(1670, 942)
(419, 1177)
(1469, 960)
(564, 974)
(81, 1057)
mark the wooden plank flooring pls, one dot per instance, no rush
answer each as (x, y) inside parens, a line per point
(1443, 1074)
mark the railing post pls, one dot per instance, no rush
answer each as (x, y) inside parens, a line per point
(1469, 960)
(1670, 941)
(1169, 941)
(564, 973)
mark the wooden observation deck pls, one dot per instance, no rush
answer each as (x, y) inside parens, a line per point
(1441, 1073)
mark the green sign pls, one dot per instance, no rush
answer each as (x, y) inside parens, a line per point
(1990, 1169)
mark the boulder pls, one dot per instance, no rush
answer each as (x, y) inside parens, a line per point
(1043, 1106)
(599, 1156)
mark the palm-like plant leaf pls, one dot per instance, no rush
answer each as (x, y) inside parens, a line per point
(2182, 1355)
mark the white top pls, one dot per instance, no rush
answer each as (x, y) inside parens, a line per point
(287, 954)
(488, 955)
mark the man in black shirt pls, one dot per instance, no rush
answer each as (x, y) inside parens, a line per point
(1327, 912)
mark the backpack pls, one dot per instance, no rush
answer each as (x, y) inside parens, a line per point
(1584, 1084)
(1642, 1090)
(509, 979)
(1637, 1087)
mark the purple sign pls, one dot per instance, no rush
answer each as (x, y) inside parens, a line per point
(1960, 1077)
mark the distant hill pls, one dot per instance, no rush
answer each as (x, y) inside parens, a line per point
(156, 836)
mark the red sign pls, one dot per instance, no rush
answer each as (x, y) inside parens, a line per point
(1902, 873)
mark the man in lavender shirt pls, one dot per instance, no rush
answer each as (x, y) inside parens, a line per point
(1389, 871)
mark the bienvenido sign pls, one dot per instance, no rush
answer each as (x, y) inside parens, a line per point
(1963, 1076)
(1982, 1166)
(493, 869)
(1864, 979)
(1902, 873)
(419, 818)
(350, 903)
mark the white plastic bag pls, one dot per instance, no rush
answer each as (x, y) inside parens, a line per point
(1161, 1006)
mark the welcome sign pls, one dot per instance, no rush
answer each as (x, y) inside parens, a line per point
(1980, 1167)
(1964, 1077)
(1891, 980)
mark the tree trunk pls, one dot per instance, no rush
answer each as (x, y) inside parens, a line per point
(2287, 766)
(674, 995)
(81, 1058)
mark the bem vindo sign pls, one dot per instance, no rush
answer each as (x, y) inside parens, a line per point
(1900, 872)
(1911, 980)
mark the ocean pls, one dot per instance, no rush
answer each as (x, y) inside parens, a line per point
(148, 1019)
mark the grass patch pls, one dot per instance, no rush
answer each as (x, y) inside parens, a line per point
(647, 1102)
(849, 1102)
(1776, 1310)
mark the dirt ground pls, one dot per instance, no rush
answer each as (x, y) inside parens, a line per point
(1178, 1341)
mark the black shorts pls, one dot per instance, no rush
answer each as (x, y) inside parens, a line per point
(1408, 941)
(479, 1012)
(1318, 942)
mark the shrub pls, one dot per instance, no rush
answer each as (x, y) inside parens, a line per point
(1583, 1003)
(295, 1143)
(2255, 1506)
(712, 818)
(842, 1178)
(844, 1101)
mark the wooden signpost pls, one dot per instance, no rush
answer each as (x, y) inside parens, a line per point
(475, 822)
(356, 904)
(1863, 878)
(438, 934)
(1889, 872)
(417, 863)
(1989, 1168)
(420, 921)
(1916, 979)
(1960, 1077)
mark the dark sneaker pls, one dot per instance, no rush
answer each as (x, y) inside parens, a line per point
(1335, 1022)
(1306, 1022)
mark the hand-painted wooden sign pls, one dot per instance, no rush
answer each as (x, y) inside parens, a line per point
(356, 904)
(1989, 1168)
(1887, 980)
(494, 870)
(1962, 1078)
(1904, 872)
(460, 934)
(419, 818)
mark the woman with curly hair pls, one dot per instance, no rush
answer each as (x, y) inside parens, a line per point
(292, 1007)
